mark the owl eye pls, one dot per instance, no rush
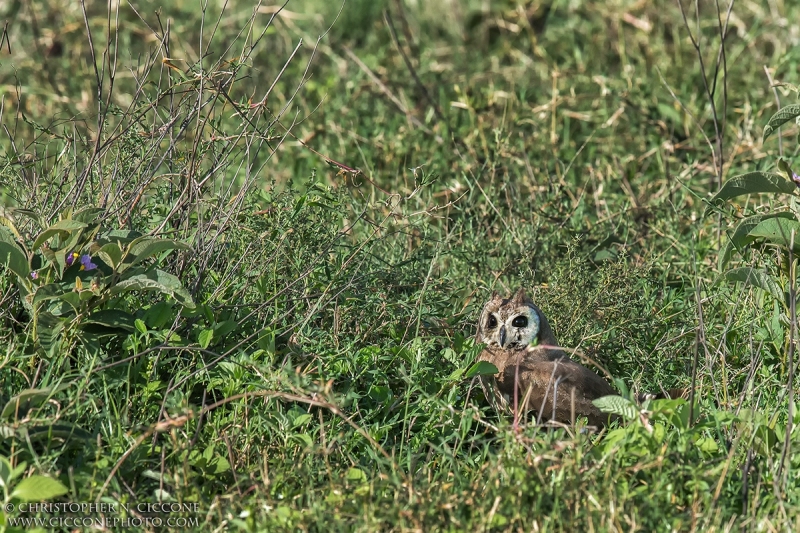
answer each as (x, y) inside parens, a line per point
(492, 322)
(520, 322)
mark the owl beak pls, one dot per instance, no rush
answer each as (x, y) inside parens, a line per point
(502, 336)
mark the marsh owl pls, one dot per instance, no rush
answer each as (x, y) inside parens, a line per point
(521, 344)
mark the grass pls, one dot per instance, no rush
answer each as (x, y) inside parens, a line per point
(347, 205)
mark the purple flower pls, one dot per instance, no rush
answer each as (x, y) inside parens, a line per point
(34, 275)
(86, 263)
(71, 258)
(796, 179)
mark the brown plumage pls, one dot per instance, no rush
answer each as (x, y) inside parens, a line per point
(521, 344)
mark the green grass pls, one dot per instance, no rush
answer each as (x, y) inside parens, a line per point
(318, 383)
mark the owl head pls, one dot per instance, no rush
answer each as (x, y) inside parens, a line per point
(515, 322)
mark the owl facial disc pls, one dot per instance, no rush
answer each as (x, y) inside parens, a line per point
(508, 323)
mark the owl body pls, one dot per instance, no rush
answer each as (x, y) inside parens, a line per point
(521, 344)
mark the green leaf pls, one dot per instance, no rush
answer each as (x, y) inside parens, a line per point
(266, 340)
(47, 292)
(120, 235)
(50, 255)
(88, 214)
(63, 227)
(756, 278)
(5, 472)
(111, 318)
(741, 236)
(155, 280)
(69, 302)
(301, 420)
(778, 231)
(781, 117)
(753, 183)
(481, 368)
(12, 257)
(110, 254)
(159, 315)
(380, 393)
(8, 228)
(706, 444)
(148, 247)
(48, 331)
(221, 329)
(19, 405)
(61, 430)
(622, 387)
(356, 474)
(220, 465)
(71, 242)
(617, 405)
(38, 488)
(499, 520)
(205, 338)
(28, 213)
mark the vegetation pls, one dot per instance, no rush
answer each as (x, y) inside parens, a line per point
(244, 247)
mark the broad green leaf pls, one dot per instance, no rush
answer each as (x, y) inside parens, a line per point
(50, 255)
(220, 465)
(123, 236)
(223, 328)
(781, 117)
(47, 292)
(71, 243)
(380, 393)
(111, 254)
(72, 298)
(159, 315)
(61, 263)
(155, 280)
(111, 318)
(455, 375)
(499, 520)
(706, 444)
(149, 247)
(88, 215)
(301, 420)
(266, 340)
(778, 231)
(61, 227)
(67, 303)
(481, 368)
(8, 227)
(356, 474)
(12, 257)
(6, 236)
(622, 387)
(617, 405)
(205, 338)
(38, 489)
(753, 183)
(741, 236)
(784, 167)
(59, 295)
(61, 430)
(28, 213)
(757, 278)
(5, 472)
(19, 405)
(48, 331)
